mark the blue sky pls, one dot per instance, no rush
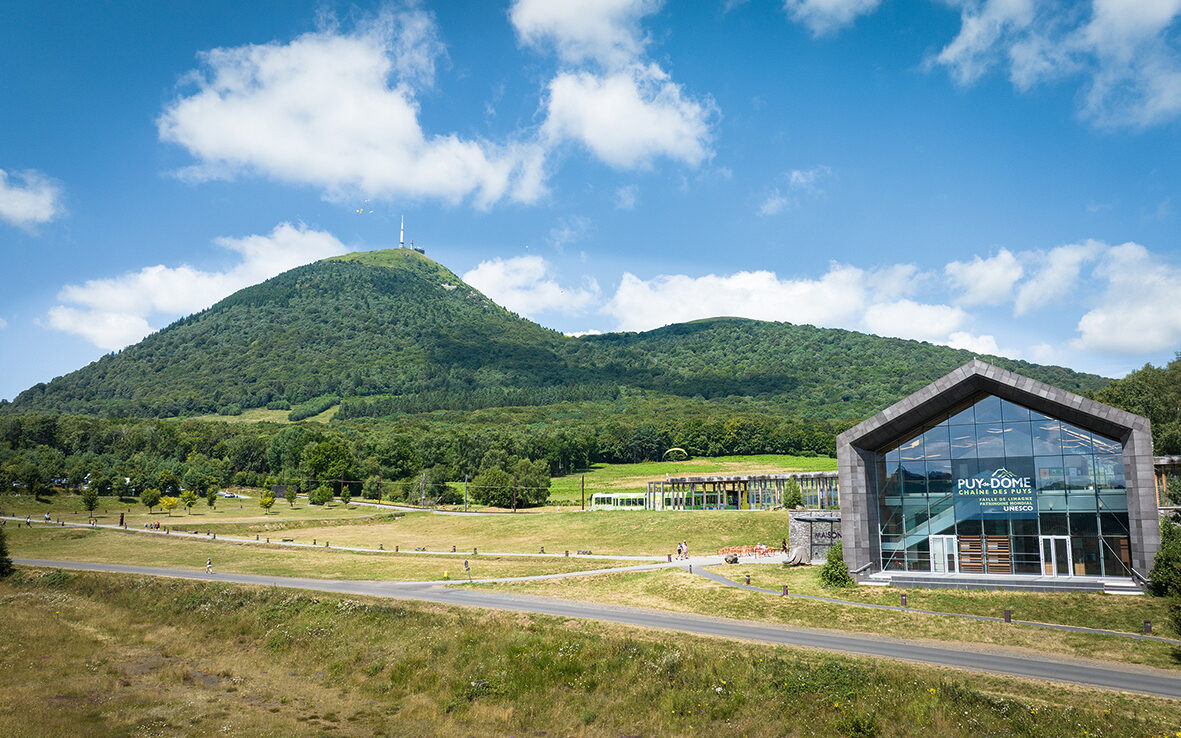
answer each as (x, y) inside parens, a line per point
(999, 175)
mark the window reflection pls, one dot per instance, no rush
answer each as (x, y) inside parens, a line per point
(1077, 478)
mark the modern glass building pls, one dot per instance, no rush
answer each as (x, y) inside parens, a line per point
(988, 473)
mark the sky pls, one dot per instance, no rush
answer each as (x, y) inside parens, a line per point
(996, 175)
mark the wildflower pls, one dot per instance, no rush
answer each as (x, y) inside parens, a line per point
(931, 690)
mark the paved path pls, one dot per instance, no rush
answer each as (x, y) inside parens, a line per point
(1140, 680)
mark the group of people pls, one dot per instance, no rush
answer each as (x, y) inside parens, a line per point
(154, 525)
(682, 550)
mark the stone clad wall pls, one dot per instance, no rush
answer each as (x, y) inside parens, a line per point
(800, 532)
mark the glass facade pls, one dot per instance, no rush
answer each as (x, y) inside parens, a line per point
(993, 487)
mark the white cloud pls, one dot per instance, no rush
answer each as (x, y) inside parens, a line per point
(1056, 276)
(525, 285)
(827, 16)
(627, 197)
(587, 332)
(35, 200)
(1138, 311)
(909, 319)
(338, 111)
(603, 31)
(1125, 50)
(774, 203)
(628, 117)
(988, 281)
(975, 344)
(114, 312)
(3, 324)
(834, 299)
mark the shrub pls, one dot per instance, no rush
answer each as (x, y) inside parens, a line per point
(5, 561)
(278, 405)
(321, 495)
(1164, 580)
(90, 498)
(835, 573)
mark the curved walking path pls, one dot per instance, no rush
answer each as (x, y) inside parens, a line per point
(1141, 680)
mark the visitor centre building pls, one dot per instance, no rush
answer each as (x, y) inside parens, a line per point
(988, 474)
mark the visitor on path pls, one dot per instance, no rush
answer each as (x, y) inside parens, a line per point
(46, 517)
(208, 566)
(684, 549)
(28, 523)
(784, 545)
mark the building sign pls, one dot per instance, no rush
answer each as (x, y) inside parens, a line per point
(995, 493)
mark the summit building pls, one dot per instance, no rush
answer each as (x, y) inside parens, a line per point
(989, 475)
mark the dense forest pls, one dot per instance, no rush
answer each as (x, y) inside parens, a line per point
(387, 333)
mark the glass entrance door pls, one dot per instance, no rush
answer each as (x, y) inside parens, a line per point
(1056, 556)
(944, 559)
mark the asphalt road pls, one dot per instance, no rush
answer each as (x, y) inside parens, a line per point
(1140, 680)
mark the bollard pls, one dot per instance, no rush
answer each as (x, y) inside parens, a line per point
(325, 544)
(748, 579)
(1008, 615)
(453, 549)
(690, 568)
(670, 558)
(1147, 627)
(256, 536)
(785, 590)
(313, 541)
(474, 551)
(268, 539)
(395, 548)
(381, 547)
(904, 599)
(567, 553)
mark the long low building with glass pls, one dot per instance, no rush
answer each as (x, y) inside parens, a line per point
(735, 492)
(988, 474)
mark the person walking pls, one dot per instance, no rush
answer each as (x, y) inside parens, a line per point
(208, 566)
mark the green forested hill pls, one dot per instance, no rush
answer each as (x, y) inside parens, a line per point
(393, 332)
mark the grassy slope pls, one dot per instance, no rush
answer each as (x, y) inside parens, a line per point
(107, 654)
(111, 547)
(680, 591)
(635, 477)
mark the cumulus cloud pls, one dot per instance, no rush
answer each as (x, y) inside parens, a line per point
(1138, 311)
(28, 198)
(628, 117)
(603, 31)
(1125, 51)
(909, 319)
(114, 312)
(338, 111)
(1057, 273)
(835, 299)
(975, 344)
(988, 281)
(622, 107)
(827, 16)
(526, 285)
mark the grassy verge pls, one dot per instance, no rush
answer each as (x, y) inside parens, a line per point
(680, 591)
(112, 547)
(1086, 609)
(123, 655)
(635, 477)
(606, 532)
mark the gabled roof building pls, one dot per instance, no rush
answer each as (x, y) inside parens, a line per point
(989, 474)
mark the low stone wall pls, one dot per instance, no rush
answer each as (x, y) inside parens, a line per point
(819, 530)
